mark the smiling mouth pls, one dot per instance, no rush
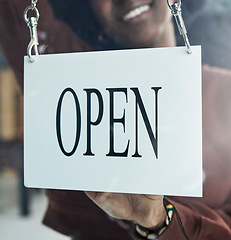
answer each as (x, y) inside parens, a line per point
(136, 12)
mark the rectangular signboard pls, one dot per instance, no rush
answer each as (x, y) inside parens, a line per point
(115, 121)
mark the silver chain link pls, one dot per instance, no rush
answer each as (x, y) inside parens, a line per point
(33, 3)
(176, 2)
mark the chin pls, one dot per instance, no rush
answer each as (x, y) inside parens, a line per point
(141, 37)
(140, 42)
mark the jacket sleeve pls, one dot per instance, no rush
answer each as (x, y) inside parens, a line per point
(54, 36)
(199, 221)
(13, 35)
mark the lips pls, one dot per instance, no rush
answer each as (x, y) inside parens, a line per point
(136, 12)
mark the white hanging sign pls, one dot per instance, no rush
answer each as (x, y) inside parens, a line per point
(116, 121)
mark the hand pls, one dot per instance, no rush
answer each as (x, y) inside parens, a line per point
(146, 210)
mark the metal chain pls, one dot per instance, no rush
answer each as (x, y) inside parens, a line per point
(33, 3)
(178, 2)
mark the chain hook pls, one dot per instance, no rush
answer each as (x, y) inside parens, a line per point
(177, 13)
(32, 23)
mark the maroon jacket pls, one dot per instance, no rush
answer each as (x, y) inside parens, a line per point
(71, 212)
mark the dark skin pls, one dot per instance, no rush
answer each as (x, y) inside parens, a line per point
(135, 23)
(152, 28)
(147, 210)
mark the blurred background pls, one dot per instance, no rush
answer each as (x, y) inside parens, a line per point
(21, 209)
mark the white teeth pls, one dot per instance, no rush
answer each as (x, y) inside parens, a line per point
(136, 12)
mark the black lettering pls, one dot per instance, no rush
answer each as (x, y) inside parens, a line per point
(89, 121)
(139, 103)
(116, 120)
(78, 122)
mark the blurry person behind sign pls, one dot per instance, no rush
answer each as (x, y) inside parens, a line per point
(71, 212)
